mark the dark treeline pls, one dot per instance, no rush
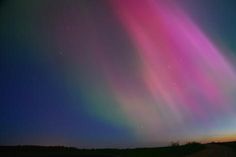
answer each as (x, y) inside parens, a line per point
(174, 150)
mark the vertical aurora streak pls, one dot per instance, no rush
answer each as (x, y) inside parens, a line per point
(184, 72)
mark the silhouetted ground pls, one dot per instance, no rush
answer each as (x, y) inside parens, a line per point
(215, 150)
(189, 150)
(232, 145)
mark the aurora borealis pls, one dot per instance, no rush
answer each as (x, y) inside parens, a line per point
(117, 73)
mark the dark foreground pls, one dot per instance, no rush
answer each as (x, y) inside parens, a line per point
(188, 150)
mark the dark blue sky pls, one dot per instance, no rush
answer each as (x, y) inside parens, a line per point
(39, 106)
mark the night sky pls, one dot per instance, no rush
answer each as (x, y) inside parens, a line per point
(117, 73)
